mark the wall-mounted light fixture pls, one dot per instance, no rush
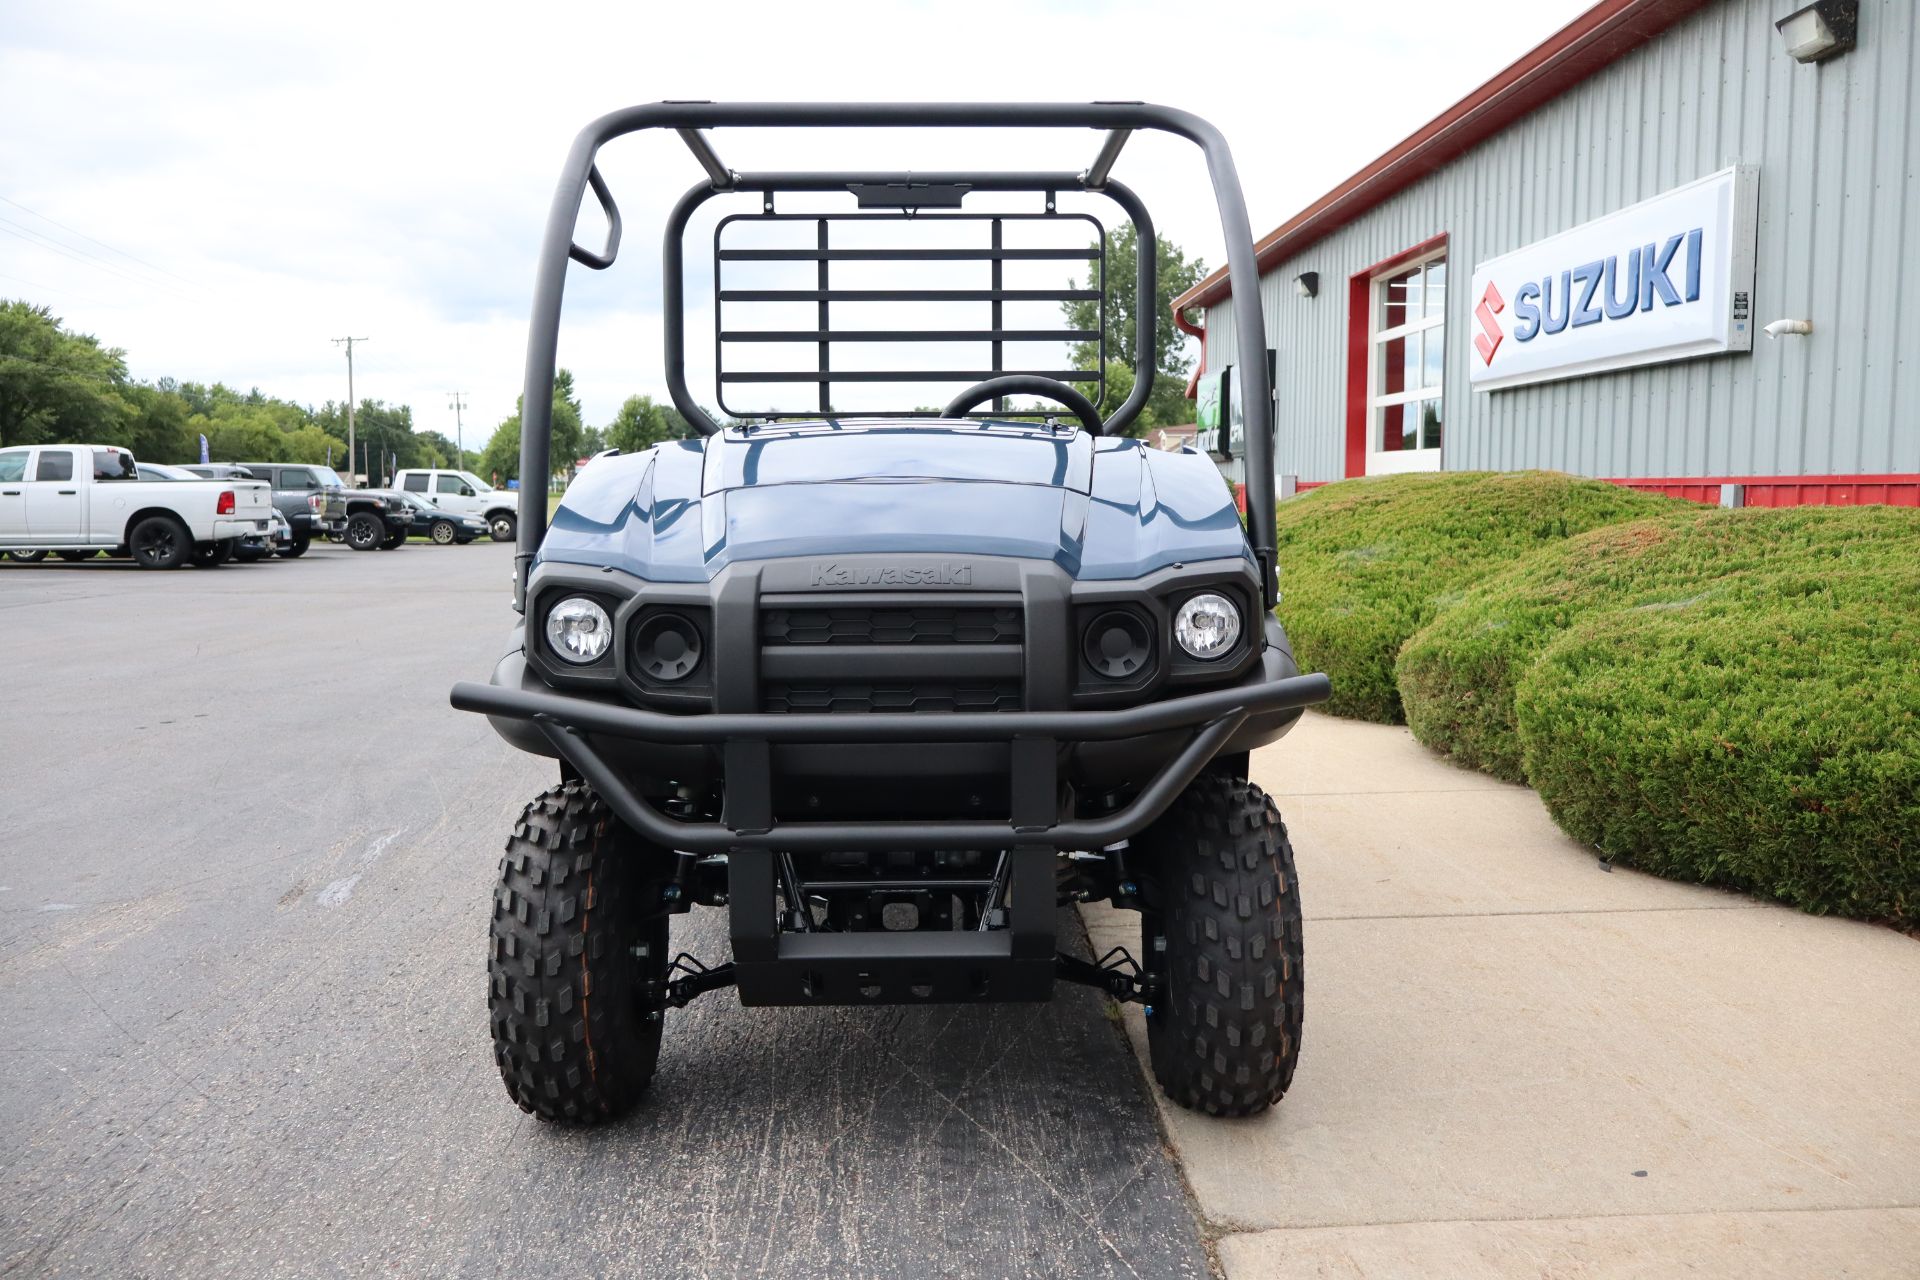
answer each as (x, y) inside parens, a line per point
(1308, 283)
(1822, 30)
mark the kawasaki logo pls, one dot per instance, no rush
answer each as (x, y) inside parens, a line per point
(828, 574)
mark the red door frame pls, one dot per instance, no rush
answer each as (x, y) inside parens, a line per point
(1360, 337)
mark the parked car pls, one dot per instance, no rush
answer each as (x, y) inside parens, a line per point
(467, 494)
(314, 499)
(278, 540)
(431, 521)
(219, 471)
(80, 499)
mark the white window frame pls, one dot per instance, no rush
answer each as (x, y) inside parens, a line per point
(1381, 461)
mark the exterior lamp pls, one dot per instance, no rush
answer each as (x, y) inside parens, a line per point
(1820, 31)
(1308, 283)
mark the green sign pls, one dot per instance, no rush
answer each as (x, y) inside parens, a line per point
(1210, 412)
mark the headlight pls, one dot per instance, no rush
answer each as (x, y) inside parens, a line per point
(1207, 625)
(578, 630)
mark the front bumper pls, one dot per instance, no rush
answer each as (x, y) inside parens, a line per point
(577, 728)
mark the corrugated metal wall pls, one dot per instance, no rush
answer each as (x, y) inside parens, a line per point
(1838, 148)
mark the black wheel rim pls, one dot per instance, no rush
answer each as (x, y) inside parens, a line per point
(362, 535)
(157, 542)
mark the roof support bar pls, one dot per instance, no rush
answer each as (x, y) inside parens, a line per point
(702, 147)
(1095, 178)
(543, 334)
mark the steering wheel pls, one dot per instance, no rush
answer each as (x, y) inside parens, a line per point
(1027, 384)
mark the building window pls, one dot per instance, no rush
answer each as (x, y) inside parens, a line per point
(1407, 327)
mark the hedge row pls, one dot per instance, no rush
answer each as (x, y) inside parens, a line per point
(1730, 697)
(1365, 563)
(1457, 675)
(1765, 737)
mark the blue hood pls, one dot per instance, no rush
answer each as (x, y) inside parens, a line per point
(1103, 508)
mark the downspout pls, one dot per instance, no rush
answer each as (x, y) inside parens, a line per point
(1185, 325)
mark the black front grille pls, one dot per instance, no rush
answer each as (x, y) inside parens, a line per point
(908, 695)
(879, 624)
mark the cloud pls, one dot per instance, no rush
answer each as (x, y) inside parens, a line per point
(295, 174)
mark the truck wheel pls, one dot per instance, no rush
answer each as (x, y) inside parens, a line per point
(1224, 1033)
(295, 549)
(76, 557)
(442, 532)
(213, 555)
(392, 540)
(576, 937)
(502, 526)
(28, 557)
(365, 532)
(160, 542)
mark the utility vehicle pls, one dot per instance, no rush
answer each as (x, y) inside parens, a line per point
(890, 686)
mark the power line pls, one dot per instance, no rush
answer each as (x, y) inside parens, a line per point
(90, 240)
(40, 241)
(34, 284)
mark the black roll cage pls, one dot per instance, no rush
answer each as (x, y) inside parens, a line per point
(690, 120)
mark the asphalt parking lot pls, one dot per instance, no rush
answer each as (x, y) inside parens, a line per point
(246, 857)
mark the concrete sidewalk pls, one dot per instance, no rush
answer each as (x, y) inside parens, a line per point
(1518, 1063)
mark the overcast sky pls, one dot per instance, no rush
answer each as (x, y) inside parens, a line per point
(232, 184)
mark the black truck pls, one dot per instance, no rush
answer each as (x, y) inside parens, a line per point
(318, 504)
(888, 686)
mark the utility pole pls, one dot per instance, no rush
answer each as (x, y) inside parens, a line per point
(458, 403)
(350, 454)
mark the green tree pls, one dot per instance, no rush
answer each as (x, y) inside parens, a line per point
(436, 450)
(381, 431)
(501, 457)
(641, 424)
(500, 460)
(56, 385)
(156, 429)
(1174, 275)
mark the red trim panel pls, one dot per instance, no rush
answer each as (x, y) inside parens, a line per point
(1359, 308)
(1790, 491)
(1597, 38)
(1359, 298)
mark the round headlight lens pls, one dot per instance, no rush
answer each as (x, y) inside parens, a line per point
(1207, 625)
(578, 630)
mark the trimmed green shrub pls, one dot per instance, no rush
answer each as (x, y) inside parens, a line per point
(1766, 738)
(1364, 563)
(1457, 674)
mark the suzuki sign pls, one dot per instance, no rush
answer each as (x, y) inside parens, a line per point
(1666, 279)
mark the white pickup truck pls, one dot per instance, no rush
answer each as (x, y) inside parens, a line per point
(79, 499)
(466, 494)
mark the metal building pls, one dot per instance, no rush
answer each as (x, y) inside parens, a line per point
(1575, 268)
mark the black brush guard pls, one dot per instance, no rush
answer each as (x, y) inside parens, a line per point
(772, 966)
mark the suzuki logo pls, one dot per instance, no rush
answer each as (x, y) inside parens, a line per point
(1488, 340)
